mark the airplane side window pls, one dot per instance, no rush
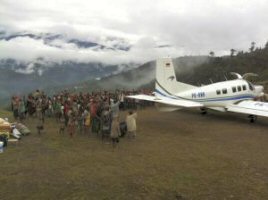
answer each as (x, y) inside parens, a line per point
(239, 88)
(244, 87)
(224, 91)
(234, 89)
(218, 92)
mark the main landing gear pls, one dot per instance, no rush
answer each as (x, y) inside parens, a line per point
(203, 111)
(252, 118)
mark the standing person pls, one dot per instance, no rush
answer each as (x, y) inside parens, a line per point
(122, 101)
(115, 131)
(22, 110)
(50, 110)
(115, 108)
(15, 107)
(57, 110)
(106, 121)
(62, 111)
(44, 107)
(71, 123)
(131, 124)
(66, 110)
(98, 115)
(31, 106)
(93, 115)
(39, 109)
(80, 122)
(87, 120)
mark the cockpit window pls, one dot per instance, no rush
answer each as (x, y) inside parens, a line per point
(250, 85)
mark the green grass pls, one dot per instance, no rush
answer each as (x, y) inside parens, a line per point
(5, 114)
(175, 154)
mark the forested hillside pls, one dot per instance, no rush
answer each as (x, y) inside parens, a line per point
(217, 68)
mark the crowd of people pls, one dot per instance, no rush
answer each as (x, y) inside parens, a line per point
(84, 113)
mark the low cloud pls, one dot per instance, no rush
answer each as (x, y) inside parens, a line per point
(27, 49)
(178, 27)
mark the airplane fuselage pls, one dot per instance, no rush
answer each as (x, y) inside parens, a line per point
(222, 94)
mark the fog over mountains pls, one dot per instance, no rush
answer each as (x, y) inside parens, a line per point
(22, 74)
(60, 41)
(33, 60)
(48, 60)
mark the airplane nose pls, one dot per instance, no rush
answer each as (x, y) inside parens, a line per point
(261, 88)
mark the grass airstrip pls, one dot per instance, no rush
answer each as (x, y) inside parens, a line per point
(178, 155)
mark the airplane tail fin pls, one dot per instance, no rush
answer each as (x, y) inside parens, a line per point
(166, 83)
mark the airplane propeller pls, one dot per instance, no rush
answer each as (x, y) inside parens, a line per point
(237, 75)
(247, 75)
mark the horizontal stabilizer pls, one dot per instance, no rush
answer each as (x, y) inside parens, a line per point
(168, 101)
(250, 107)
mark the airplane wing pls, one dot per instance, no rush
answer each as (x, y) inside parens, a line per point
(250, 107)
(166, 100)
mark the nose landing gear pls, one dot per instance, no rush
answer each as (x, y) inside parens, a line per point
(252, 118)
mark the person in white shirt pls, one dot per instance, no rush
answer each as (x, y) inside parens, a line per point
(131, 124)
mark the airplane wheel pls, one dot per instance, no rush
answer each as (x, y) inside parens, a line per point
(203, 111)
(252, 118)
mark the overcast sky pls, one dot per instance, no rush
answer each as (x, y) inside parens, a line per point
(187, 27)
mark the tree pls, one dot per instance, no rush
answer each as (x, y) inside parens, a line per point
(212, 54)
(266, 46)
(251, 49)
(239, 53)
(232, 52)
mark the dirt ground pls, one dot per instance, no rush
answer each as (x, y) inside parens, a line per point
(178, 155)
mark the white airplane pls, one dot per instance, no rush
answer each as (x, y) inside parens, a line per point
(228, 96)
